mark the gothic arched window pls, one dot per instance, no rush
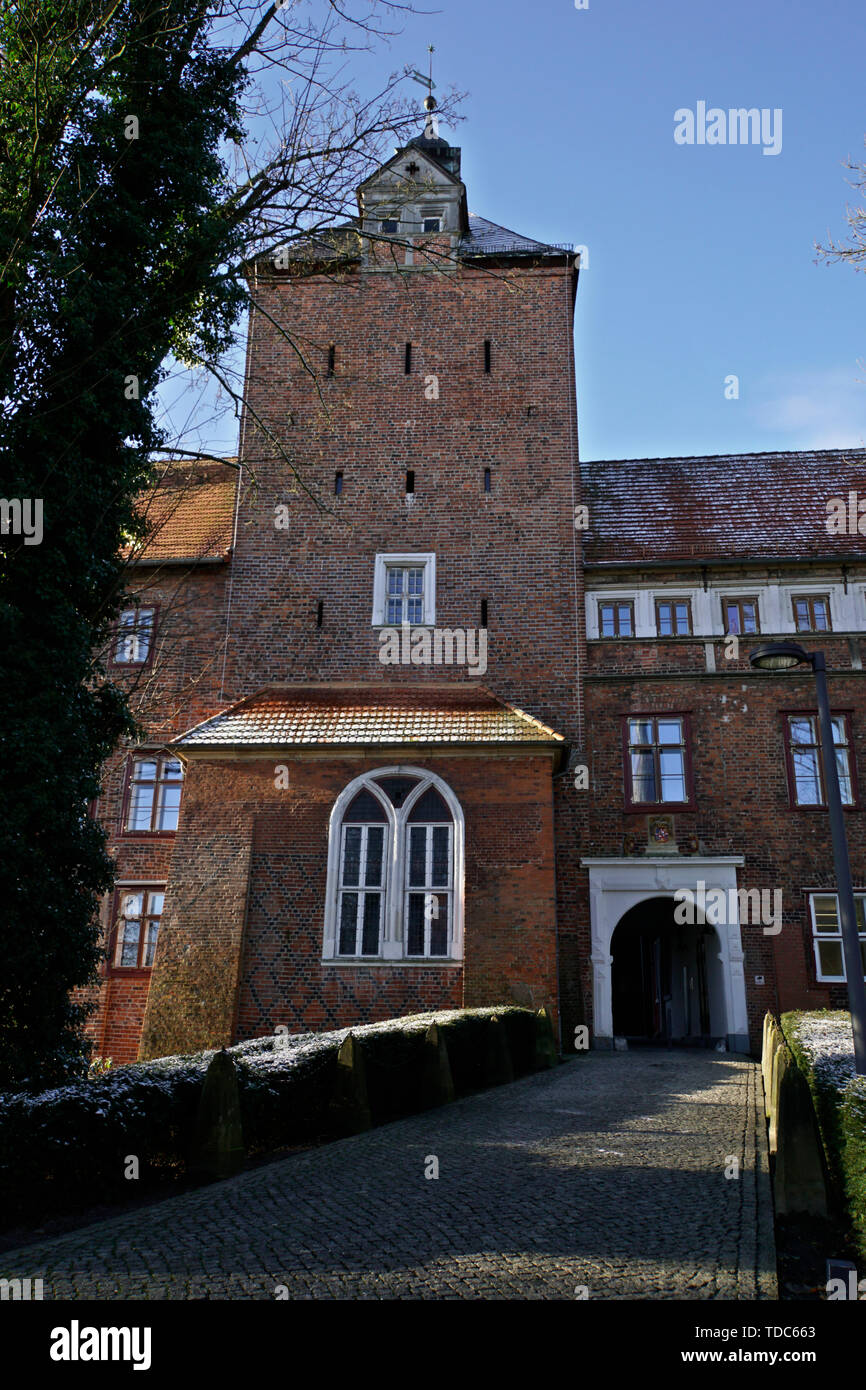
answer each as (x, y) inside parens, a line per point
(395, 869)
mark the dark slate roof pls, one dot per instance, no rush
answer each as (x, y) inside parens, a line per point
(447, 712)
(722, 506)
(489, 239)
(485, 239)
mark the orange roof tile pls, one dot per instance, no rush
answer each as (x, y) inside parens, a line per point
(190, 513)
(369, 715)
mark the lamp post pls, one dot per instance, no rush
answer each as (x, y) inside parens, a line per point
(782, 656)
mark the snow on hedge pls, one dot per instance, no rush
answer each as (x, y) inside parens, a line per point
(826, 1038)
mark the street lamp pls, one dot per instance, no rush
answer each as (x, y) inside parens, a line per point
(783, 656)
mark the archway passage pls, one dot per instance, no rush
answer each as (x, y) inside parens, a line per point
(666, 982)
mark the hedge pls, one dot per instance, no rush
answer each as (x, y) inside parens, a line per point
(823, 1047)
(69, 1147)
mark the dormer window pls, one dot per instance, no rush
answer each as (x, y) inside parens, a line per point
(432, 224)
(390, 225)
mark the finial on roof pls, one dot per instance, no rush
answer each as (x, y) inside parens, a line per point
(431, 125)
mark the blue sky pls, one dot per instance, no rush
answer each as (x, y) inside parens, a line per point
(701, 259)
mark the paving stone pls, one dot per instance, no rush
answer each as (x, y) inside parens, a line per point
(608, 1172)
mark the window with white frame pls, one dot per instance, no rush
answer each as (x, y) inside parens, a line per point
(395, 870)
(404, 590)
(827, 934)
(134, 636)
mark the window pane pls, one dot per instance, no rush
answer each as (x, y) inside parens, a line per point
(348, 921)
(830, 959)
(839, 731)
(418, 855)
(670, 731)
(822, 617)
(172, 770)
(365, 807)
(640, 731)
(750, 617)
(682, 618)
(643, 777)
(802, 730)
(625, 620)
(169, 808)
(143, 770)
(140, 808)
(665, 626)
(154, 904)
(801, 610)
(844, 771)
(860, 909)
(806, 779)
(441, 838)
(416, 582)
(607, 623)
(131, 934)
(826, 915)
(395, 581)
(415, 925)
(732, 617)
(370, 934)
(438, 911)
(375, 844)
(151, 933)
(352, 854)
(673, 775)
(395, 611)
(415, 610)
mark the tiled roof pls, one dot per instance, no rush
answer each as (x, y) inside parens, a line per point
(488, 239)
(730, 506)
(369, 715)
(191, 513)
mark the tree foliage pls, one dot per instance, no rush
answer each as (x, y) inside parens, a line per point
(131, 192)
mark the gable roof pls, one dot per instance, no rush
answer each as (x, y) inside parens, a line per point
(370, 715)
(722, 506)
(190, 514)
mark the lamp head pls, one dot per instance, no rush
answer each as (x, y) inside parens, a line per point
(779, 656)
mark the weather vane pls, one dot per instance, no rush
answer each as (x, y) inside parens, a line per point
(419, 76)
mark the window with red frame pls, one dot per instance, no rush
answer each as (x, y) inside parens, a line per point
(657, 764)
(138, 928)
(134, 640)
(153, 794)
(805, 759)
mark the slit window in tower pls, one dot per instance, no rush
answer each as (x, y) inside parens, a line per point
(332, 353)
(320, 613)
(407, 360)
(484, 612)
(487, 354)
(338, 484)
(410, 480)
(487, 480)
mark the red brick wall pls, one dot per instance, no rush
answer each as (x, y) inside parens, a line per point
(274, 897)
(741, 790)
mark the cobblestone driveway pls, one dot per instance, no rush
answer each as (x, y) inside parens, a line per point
(606, 1174)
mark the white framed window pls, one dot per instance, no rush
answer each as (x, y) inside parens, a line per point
(404, 590)
(134, 636)
(827, 934)
(395, 870)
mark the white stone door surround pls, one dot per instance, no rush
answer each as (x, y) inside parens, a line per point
(615, 885)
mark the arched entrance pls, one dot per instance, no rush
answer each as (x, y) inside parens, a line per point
(617, 885)
(666, 986)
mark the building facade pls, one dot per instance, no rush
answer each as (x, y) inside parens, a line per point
(437, 716)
